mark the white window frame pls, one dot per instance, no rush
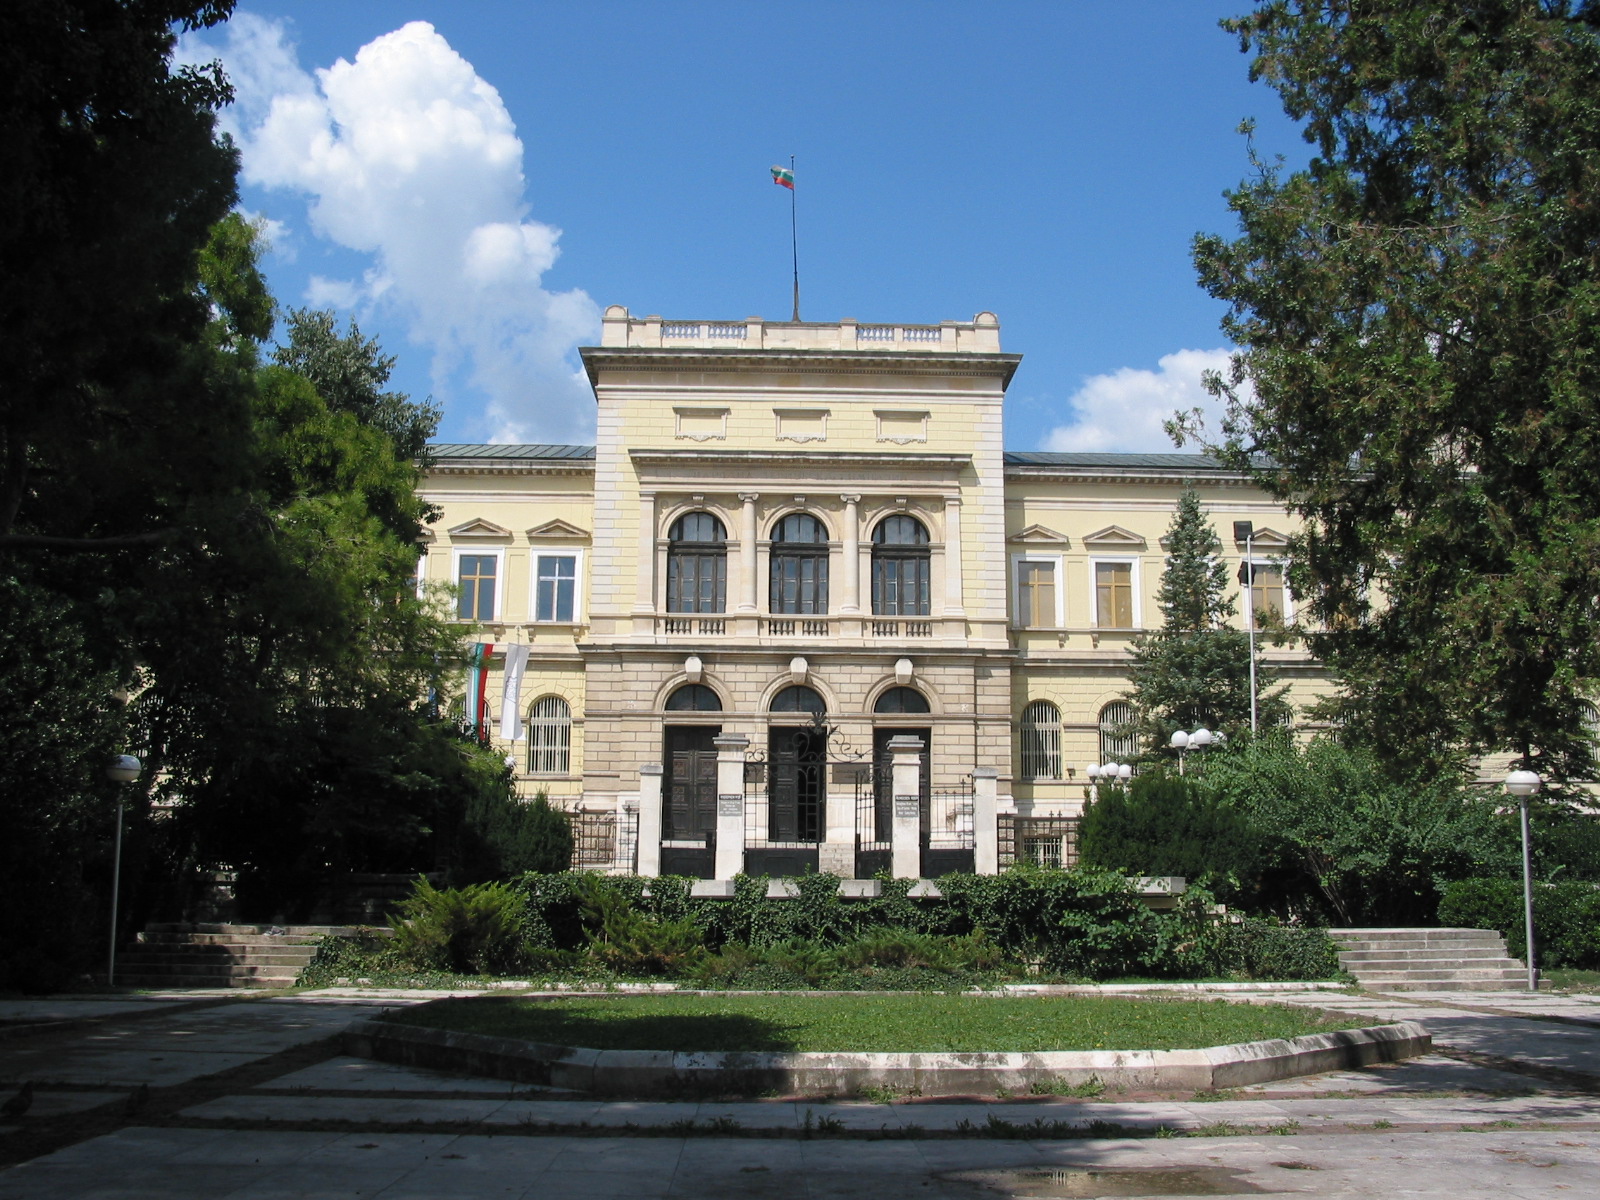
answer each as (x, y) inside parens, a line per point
(1135, 581)
(422, 571)
(578, 589)
(1058, 563)
(499, 555)
(1257, 561)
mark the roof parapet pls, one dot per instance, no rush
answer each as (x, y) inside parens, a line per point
(619, 330)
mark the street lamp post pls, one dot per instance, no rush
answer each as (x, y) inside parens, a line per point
(123, 769)
(1245, 531)
(1198, 740)
(1522, 784)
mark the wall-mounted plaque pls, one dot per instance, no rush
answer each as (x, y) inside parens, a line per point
(730, 804)
(906, 808)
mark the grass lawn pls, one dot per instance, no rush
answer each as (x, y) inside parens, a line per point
(1571, 980)
(914, 1022)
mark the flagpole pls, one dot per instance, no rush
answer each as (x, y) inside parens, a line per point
(794, 243)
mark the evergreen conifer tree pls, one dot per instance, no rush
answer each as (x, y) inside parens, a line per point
(1195, 670)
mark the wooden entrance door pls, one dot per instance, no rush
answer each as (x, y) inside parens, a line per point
(690, 788)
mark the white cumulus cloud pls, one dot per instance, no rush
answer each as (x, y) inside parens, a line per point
(407, 155)
(1124, 409)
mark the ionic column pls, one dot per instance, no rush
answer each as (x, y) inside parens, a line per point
(952, 557)
(852, 556)
(747, 550)
(644, 600)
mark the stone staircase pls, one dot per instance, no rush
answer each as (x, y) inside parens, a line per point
(1429, 960)
(213, 956)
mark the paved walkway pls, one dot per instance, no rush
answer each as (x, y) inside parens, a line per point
(248, 1098)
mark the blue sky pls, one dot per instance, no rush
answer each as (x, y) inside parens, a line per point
(474, 182)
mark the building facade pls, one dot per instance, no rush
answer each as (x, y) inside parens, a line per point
(798, 607)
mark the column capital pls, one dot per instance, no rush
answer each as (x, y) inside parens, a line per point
(749, 497)
(851, 497)
(952, 501)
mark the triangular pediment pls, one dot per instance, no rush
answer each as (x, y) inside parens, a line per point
(479, 528)
(558, 529)
(1038, 535)
(1268, 539)
(1114, 536)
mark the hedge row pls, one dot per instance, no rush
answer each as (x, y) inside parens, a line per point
(1566, 917)
(1082, 923)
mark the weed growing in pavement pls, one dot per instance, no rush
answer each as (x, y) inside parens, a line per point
(1060, 1087)
(1204, 1095)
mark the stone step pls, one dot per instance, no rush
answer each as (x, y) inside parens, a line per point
(1519, 984)
(224, 939)
(1447, 942)
(133, 979)
(218, 971)
(1509, 968)
(155, 961)
(254, 930)
(1413, 936)
(1431, 954)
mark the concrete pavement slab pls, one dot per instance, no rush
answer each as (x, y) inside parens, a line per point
(365, 1075)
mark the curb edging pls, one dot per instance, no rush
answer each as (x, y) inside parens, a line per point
(669, 1074)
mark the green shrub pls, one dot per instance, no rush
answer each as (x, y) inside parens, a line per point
(1266, 950)
(503, 837)
(1165, 825)
(1566, 917)
(478, 928)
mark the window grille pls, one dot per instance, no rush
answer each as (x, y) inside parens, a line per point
(550, 737)
(1118, 741)
(1041, 741)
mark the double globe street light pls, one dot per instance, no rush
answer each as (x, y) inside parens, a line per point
(1198, 740)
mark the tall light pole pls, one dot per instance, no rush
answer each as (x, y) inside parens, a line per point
(1245, 531)
(121, 770)
(1522, 784)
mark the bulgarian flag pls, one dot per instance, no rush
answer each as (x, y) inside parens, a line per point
(783, 177)
(478, 687)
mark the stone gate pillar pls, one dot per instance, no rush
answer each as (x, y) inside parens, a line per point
(905, 753)
(985, 821)
(649, 833)
(731, 749)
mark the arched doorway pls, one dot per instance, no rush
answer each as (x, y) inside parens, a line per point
(784, 838)
(689, 786)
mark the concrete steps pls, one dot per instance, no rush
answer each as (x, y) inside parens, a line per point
(210, 956)
(1429, 960)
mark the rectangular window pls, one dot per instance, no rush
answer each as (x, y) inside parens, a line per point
(1266, 591)
(799, 584)
(1036, 594)
(476, 578)
(557, 581)
(697, 582)
(901, 586)
(1113, 595)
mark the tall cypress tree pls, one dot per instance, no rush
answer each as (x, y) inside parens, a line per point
(1195, 669)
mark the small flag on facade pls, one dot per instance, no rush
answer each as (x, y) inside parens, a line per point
(783, 177)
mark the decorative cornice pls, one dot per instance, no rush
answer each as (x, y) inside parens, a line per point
(797, 362)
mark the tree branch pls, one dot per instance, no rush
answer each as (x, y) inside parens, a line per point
(70, 545)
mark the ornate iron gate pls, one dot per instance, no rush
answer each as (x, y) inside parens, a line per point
(948, 838)
(874, 850)
(1042, 841)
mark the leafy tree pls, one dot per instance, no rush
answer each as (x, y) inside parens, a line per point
(1165, 824)
(1418, 311)
(1353, 840)
(349, 372)
(1195, 669)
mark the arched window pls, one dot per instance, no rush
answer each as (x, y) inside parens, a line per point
(1041, 741)
(697, 564)
(694, 697)
(900, 568)
(1590, 716)
(1118, 742)
(798, 582)
(798, 699)
(550, 737)
(901, 700)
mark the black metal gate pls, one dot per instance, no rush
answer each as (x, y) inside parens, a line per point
(785, 808)
(874, 848)
(697, 860)
(949, 841)
(1042, 841)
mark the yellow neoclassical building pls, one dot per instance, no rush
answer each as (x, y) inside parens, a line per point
(798, 608)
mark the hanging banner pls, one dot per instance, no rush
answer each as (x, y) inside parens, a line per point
(511, 693)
